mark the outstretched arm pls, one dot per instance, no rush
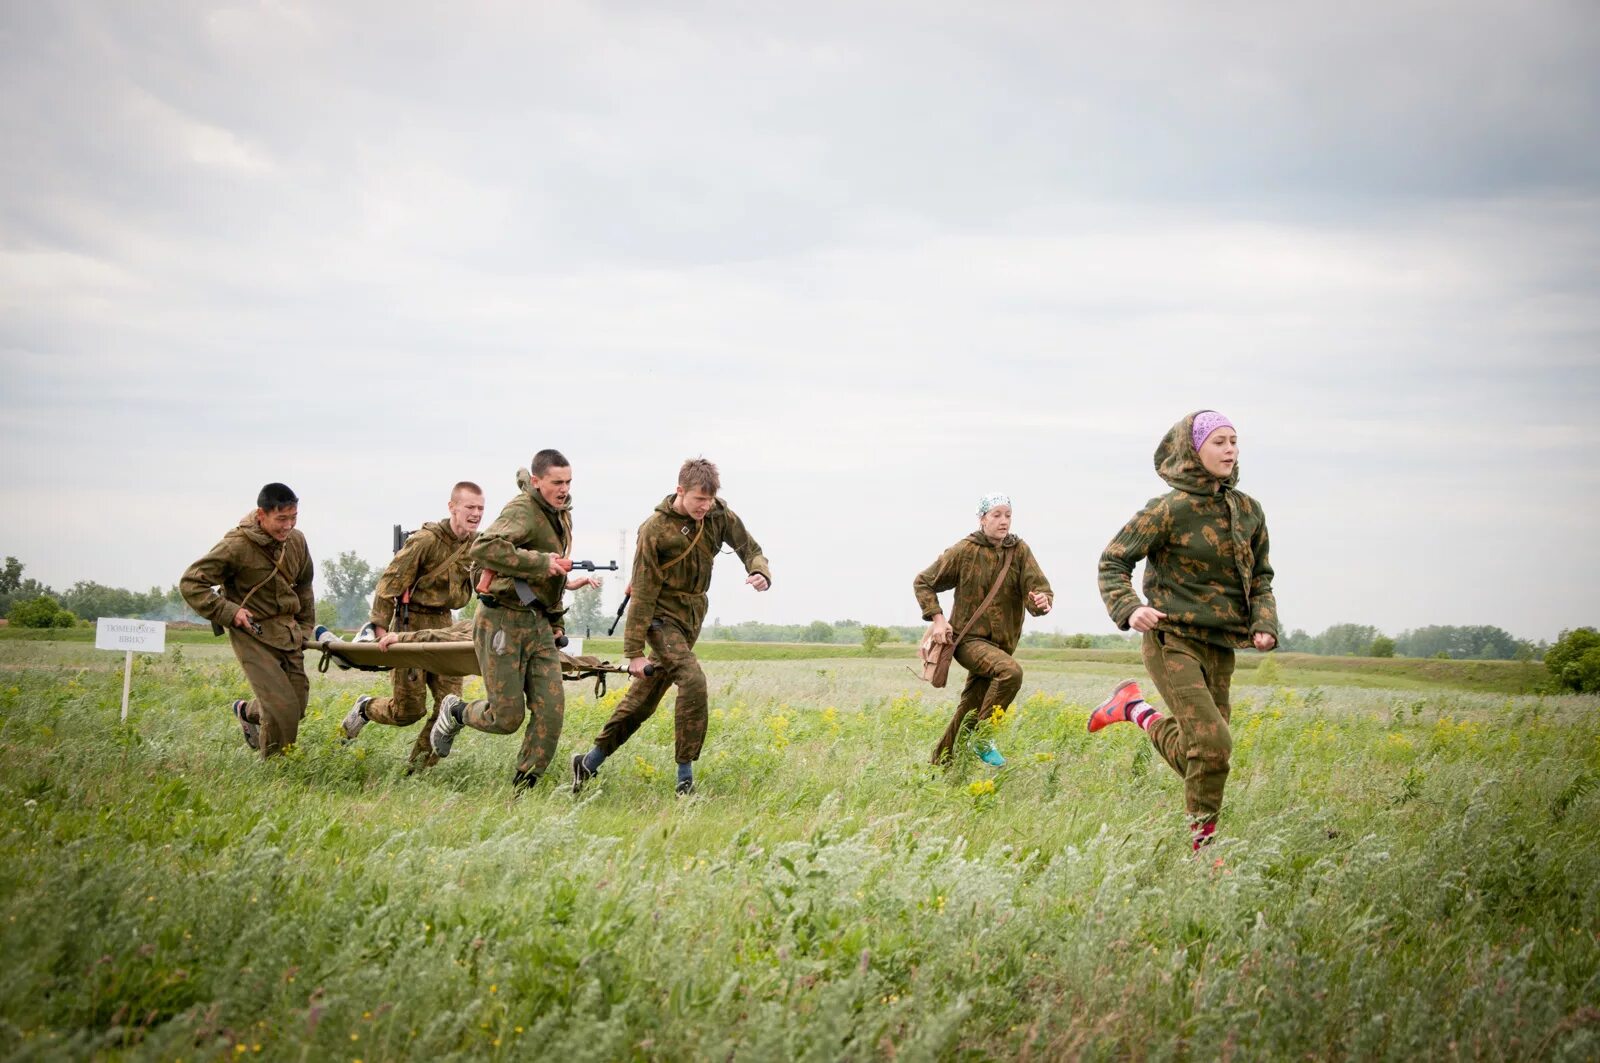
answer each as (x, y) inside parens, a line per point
(1130, 546)
(749, 551)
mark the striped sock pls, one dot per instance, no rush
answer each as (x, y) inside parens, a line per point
(1143, 714)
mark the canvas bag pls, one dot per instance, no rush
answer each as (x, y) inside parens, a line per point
(936, 656)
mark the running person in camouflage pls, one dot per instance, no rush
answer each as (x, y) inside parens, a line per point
(428, 578)
(971, 567)
(671, 574)
(1209, 589)
(528, 548)
(256, 585)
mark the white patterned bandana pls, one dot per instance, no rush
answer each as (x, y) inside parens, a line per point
(988, 502)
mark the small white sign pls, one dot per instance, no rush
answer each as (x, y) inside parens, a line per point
(131, 636)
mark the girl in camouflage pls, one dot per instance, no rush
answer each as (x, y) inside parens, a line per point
(995, 578)
(1209, 588)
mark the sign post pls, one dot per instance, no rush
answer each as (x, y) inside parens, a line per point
(129, 636)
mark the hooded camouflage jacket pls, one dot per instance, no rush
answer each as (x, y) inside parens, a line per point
(969, 567)
(245, 569)
(1205, 550)
(434, 561)
(519, 544)
(670, 580)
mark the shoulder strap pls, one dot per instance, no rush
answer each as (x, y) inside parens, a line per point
(437, 569)
(1005, 566)
(692, 544)
(277, 570)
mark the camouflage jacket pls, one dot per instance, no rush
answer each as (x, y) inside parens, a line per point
(245, 570)
(519, 545)
(670, 580)
(435, 562)
(1205, 549)
(460, 631)
(970, 567)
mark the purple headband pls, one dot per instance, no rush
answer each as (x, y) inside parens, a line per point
(1206, 422)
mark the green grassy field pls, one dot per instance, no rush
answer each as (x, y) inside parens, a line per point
(1406, 871)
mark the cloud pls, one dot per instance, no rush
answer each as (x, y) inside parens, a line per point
(875, 261)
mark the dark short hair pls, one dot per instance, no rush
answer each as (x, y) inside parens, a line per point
(467, 486)
(276, 496)
(546, 460)
(698, 472)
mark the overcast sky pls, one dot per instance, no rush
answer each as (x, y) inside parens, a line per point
(874, 260)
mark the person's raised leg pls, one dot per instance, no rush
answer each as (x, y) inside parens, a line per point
(972, 695)
(1005, 682)
(1198, 722)
(278, 704)
(547, 708)
(503, 642)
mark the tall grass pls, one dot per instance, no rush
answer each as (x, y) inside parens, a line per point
(1402, 874)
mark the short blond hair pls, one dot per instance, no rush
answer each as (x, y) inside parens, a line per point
(699, 473)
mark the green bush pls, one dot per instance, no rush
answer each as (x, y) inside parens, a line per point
(873, 636)
(43, 611)
(817, 631)
(1575, 660)
(1382, 646)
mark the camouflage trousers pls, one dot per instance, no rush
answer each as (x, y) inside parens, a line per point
(675, 663)
(1193, 678)
(993, 679)
(409, 702)
(278, 680)
(522, 676)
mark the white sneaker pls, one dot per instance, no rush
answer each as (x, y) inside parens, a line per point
(356, 718)
(447, 726)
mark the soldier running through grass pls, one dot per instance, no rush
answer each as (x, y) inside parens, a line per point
(672, 565)
(1208, 583)
(528, 549)
(995, 577)
(256, 585)
(423, 583)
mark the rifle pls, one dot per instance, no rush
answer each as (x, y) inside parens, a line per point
(525, 593)
(402, 606)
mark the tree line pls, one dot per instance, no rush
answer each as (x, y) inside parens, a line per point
(348, 581)
(1481, 642)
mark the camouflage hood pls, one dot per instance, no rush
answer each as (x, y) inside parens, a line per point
(1179, 465)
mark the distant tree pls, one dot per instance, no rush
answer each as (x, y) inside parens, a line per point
(1296, 641)
(583, 613)
(1382, 646)
(43, 611)
(1569, 660)
(1476, 642)
(14, 588)
(92, 600)
(10, 576)
(817, 631)
(350, 580)
(873, 636)
(328, 613)
(1348, 640)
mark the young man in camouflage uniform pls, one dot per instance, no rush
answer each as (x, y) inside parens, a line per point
(1209, 588)
(427, 579)
(671, 573)
(528, 549)
(256, 585)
